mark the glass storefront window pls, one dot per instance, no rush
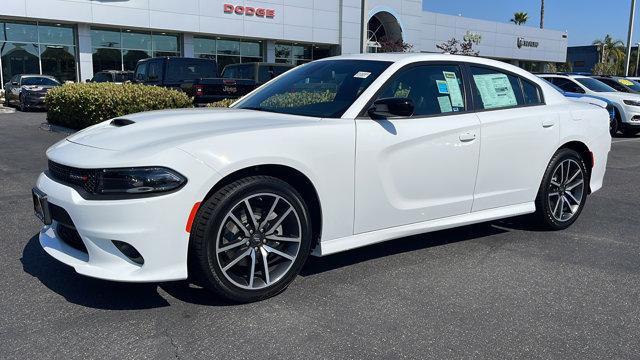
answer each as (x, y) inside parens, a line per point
(204, 46)
(58, 61)
(250, 49)
(115, 49)
(229, 47)
(299, 54)
(228, 51)
(283, 51)
(136, 40)
(130, 58)
(106, 59)
(38, 48)
(165, 42)
(56, 34)
(21, 32)
(18, 58)
(105, 38)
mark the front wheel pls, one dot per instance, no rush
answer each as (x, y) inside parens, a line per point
(250, 239)
(23, 106)
(614, 124)
(630, 132)
(563, 191)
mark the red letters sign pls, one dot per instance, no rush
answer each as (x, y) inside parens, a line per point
(249, 11)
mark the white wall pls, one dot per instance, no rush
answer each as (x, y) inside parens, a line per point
(315, 21)
(499, 40)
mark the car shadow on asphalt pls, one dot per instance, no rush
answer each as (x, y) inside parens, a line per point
(108, 295)
(317, 265)
(102, 294)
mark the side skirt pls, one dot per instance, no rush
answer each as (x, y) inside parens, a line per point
(359, 240)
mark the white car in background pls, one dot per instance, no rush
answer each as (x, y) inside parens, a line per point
(627, 105)
(331, 156)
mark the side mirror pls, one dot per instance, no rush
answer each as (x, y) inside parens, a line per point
(387, 107)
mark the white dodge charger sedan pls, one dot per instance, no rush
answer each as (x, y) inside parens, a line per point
(333, 155)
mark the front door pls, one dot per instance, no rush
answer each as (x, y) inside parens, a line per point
(421, 167)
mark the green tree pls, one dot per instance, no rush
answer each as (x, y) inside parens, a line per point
(610, 50)
(520, 18)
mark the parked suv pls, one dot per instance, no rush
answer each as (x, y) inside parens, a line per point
(114, 76)
(28, 91)
(178, 73)
(627, 104)
(620, 84)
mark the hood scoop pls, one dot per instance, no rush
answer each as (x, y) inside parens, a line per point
(121, 122)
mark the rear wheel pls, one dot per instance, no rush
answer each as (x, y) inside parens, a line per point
(250, 239)
(563, 191)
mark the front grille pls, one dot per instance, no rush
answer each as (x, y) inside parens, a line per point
(85, 178)
(71, 237)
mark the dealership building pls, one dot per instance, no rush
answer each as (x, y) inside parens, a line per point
(73, 39)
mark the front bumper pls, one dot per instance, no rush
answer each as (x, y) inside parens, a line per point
(34, 101)
(154, 226)
(631, 117)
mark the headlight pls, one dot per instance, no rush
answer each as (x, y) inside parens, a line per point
(632, 102)
(137, 181)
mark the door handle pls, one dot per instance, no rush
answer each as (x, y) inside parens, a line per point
(467, 137)
(548, 123)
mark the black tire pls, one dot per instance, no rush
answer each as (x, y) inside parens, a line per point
(630, 132)
(614, 125)
(204, 265)
(546, 216)
(23, 106)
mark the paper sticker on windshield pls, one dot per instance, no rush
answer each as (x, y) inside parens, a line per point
(362, 75)
(625, 82)
(445, 104)
(495, 90)
(443, 87)
(454, 89)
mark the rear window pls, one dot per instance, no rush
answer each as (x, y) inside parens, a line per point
(268, 72)
(238, 72)
(183, 70)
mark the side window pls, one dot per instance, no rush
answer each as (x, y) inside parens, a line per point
(141, 72)
(567, 85)
(614, 84)
(531, 93)
(154, 72)
(434, 89)
(494, 89)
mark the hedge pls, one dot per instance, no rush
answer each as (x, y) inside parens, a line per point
(77, 106)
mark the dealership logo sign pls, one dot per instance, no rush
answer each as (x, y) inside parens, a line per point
(525, 43)
(473, 37)
(249, 11)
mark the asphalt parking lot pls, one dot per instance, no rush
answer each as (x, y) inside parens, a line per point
(496, 290)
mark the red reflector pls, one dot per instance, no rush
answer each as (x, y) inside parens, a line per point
(199, 89)
(192, 216)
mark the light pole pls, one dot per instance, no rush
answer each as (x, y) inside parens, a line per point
(632, 15)
(637, 57)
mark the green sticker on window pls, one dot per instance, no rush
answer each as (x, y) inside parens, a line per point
(445, 104)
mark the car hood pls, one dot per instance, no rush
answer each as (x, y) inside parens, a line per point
(37, 88)
(170, 128)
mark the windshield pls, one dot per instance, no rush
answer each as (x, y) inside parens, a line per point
(595, 85)
(319, 89)
(631, 84)
(29, 81)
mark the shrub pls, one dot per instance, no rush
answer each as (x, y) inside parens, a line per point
(222, 103)
(78, 106)
(297, 99)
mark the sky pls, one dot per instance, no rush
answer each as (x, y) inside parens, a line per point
(584, 20)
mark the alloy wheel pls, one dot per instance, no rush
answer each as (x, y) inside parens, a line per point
(566, 190)
(259, 241)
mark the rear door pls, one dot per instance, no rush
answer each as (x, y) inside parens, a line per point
(421, 167)
(519, 136)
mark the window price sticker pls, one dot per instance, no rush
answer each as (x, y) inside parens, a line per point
(362, 75)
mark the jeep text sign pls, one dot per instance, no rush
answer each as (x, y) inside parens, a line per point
(249, 11)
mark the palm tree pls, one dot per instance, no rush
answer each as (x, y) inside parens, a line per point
(520, 18)
(610, 49)
(542, 14)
